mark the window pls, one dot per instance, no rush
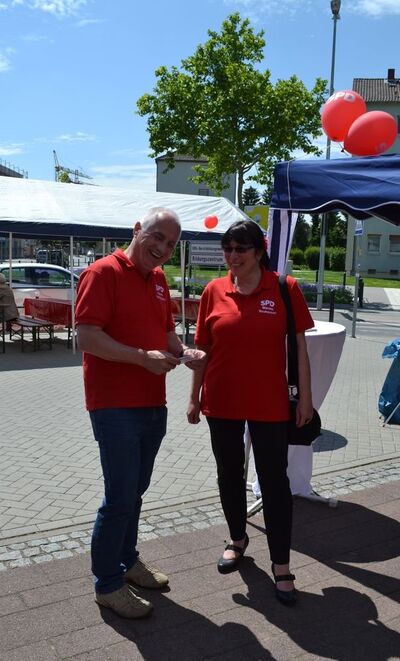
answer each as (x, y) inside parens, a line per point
(48, 277)
(19, 275)
(374, 243)
(204, 191)
(394, 243)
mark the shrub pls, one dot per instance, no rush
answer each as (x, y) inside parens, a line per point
(192, 287)
(297, 256)
(342, 294)
(336, 258)
(175, 258)
(311, 255)
(170, 280)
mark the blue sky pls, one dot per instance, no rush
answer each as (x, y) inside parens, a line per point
(72, 70)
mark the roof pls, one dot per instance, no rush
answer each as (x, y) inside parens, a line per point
(183, 157)
(9, 172)
(378, 89)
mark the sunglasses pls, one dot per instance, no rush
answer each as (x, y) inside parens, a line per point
(238, 249)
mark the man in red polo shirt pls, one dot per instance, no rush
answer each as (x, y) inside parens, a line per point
(126, 331)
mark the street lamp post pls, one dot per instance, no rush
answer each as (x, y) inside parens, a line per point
(335, 8)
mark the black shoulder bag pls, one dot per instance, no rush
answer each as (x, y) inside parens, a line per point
(311, 430)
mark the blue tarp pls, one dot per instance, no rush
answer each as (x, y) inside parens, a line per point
(363, 187)
(390, 395)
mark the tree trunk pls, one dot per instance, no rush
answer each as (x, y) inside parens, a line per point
(240, 188)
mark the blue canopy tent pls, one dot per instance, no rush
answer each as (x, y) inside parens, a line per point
(362, 187)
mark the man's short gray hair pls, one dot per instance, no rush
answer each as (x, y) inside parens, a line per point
(159, 213)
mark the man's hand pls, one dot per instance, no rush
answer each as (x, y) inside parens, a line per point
(159, 362)
(196, 358)
(193, 412)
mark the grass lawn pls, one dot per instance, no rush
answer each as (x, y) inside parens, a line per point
(336, 278)
(330, 277)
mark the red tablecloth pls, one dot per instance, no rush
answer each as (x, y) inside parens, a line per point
(191, 308)
(52, 309)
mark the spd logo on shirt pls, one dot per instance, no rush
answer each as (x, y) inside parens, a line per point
(160, 292)
(267, 306)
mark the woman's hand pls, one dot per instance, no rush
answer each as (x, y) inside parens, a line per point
(193, 412)
(194, 359)
(304, 411)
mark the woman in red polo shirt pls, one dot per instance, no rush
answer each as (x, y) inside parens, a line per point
(242, 327)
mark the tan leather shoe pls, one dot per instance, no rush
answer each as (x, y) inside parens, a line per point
(125, 603)
(145, 576)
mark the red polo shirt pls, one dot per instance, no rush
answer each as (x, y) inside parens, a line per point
(133, 310)
(245, 377)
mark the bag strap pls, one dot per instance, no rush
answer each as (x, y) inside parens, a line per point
(293, 370)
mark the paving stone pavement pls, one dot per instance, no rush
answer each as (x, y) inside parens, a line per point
(50, 477)
(347, 571)
(345, 559)
(69, 542)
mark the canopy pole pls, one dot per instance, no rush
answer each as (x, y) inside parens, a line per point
(183, 262)
(356, 286)
(71, 261)
(321, 265)
(10, 259)
(335, 6)
(104, 246)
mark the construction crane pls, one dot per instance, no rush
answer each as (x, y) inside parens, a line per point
(59, 170)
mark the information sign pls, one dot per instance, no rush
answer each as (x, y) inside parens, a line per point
(359, 228)
(206, 253)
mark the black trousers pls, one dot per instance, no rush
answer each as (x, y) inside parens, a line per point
(270, 449)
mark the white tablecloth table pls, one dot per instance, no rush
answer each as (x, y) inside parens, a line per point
(324, 344)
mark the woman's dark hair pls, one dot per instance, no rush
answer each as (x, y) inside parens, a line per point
(247, 233)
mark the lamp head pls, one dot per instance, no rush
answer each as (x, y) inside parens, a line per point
(335, 7)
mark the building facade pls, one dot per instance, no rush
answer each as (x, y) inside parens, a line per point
(377, 250)
(177, 180)
(21, 248)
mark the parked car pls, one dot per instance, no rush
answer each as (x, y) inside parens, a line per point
(43, 280)
(57, 257)
(79, 269)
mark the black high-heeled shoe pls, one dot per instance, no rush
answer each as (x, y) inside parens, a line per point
(226, 566)
(286, 597)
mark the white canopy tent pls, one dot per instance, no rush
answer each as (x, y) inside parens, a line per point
(34, 208)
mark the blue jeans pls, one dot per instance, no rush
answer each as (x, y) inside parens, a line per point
(129, 439)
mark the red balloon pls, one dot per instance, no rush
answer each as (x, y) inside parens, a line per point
(371, 134)
(339, 112)
(210, 222)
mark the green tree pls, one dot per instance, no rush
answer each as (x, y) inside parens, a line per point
(336, 233)
(302, 233)
(222, 106)
(315, 238)
(267, 192)
(337, 230)
(251, 196)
